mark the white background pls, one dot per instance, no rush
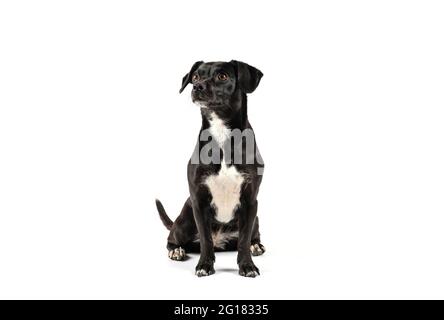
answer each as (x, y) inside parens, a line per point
(349, 119)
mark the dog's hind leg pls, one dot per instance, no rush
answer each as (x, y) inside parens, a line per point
(256, 247)
(183, 233)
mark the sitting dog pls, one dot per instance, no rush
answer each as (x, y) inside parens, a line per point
(224, 173)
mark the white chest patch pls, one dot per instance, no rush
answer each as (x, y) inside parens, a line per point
(218, 129)
(225, 186)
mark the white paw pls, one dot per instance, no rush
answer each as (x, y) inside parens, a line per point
(252, 274)
(248, 270)
(257, 249)
(177, 254)
(201, 273)
(204, 273)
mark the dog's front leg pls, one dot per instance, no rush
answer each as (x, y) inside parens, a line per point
(205, 266)
(246, 221)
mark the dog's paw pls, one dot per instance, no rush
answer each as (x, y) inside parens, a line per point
(248, 269)
(204, 269)
(257, 249)
(177, 254)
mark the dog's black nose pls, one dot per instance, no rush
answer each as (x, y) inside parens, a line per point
(199, 86)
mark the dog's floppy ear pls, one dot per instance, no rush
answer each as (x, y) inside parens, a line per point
(248, 77)
(187, 78)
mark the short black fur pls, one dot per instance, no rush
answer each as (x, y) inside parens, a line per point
(194, 228)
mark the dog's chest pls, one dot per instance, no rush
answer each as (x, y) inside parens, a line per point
(219, 130)
(225, 186)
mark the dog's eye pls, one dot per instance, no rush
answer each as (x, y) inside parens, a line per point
(222, 76)
(195, 77)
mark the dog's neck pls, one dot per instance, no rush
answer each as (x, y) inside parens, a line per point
(233, 116)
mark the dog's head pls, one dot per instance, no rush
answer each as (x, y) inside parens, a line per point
(215, 84)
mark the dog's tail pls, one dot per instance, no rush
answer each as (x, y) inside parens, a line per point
(163, 215)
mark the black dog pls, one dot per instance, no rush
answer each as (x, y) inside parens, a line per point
(220, 213)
